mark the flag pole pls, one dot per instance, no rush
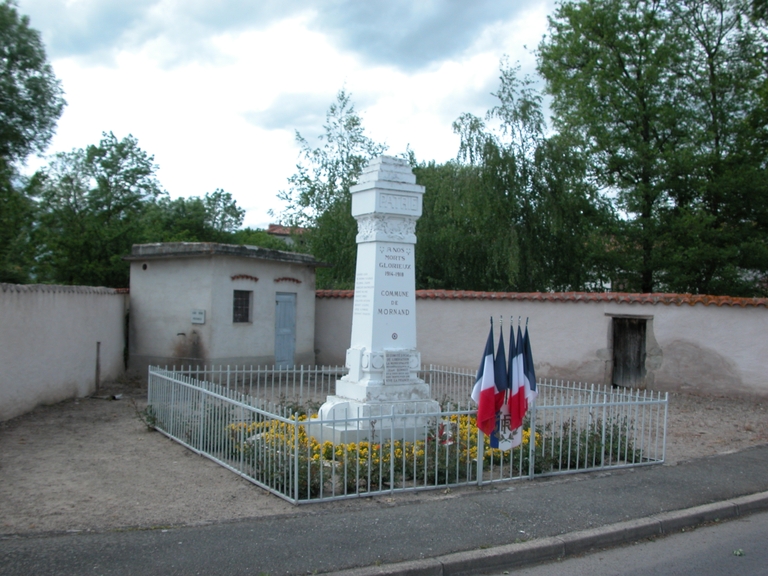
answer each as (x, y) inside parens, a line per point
(481, 446)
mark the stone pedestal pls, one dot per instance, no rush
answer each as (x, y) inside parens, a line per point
(383, 360)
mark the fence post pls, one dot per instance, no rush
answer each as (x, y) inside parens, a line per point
(172, 427)
(480, 456)
(203, 394)
(391, 451)
(532, 443)
(664, 441)
(602, 437)
(296, 458)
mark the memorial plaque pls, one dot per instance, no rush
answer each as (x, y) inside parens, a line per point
(396, 367)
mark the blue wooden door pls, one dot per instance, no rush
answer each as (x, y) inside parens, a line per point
(285, 328)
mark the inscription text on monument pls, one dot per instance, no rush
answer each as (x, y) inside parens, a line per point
(396, 367)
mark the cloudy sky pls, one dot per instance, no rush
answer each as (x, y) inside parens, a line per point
(215, 89)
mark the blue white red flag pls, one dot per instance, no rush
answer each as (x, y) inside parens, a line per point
(501, 378)
(530, 374)
(484, 391)
(516, 400)
(500, 371)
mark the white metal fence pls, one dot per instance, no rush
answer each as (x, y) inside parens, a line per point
(309, 385)
(258, 422)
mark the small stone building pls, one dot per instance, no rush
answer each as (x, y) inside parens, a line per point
(220, 304)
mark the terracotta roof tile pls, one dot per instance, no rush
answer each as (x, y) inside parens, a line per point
(617, 297)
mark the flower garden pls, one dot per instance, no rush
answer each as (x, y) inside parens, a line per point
(281, 447)
(277, 452)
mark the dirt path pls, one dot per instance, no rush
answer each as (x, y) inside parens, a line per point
(91, 464)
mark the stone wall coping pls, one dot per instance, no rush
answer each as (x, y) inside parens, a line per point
(61, 289)
(167, 250)
(593, 297)
(596, 297)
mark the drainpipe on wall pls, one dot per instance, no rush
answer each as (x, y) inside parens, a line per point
(98, 366)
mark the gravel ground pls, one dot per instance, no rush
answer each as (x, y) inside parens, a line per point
(91, 464)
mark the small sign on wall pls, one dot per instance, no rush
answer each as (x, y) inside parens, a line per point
(198, 316)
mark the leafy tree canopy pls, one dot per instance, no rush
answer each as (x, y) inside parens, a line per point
(96, 202)
(514, 211)
(666, 98)
(319, 198)
(30, 104)
(92, 204)
(31, 98)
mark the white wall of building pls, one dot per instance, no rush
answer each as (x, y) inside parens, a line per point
(163, 295)
(165, 291)
(238, 343)
(48, 342)
(694, 344)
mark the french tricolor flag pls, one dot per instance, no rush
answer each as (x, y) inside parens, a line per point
(517, 402)
(530, 375)
(484, 391)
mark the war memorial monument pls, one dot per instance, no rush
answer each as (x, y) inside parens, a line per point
(383, 359)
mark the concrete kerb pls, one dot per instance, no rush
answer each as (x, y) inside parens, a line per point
(551, 548)
(425, 567)
(751, 503)
(610, 535)
(679, 519)
(501, 557)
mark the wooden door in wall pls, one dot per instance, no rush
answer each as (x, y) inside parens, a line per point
(629, 352)
(285, 329)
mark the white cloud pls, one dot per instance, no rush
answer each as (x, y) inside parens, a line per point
(216, 101)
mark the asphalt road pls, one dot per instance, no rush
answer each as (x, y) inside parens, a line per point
(384, 534)
(734, 548)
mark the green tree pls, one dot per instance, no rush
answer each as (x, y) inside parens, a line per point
(318, 197)
(223, 215)
(93, 202)
(257, 237)
(665, 99)
(464, 240)
(17, 218)
(31, 99)
(30, 104)
(715, 228)
(179, 220)
(213, 218)
(611, 67)
(514, 211)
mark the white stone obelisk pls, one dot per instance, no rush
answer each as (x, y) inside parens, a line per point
(382, 359)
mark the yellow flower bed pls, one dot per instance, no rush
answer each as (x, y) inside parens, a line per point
(447, 454)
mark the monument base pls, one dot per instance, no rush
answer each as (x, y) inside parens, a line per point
(376, 413)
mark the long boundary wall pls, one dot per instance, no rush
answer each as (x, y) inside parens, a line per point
(49, 336)
(48, 343)
(703, 344)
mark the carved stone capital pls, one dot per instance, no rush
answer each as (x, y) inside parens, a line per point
(374, 227)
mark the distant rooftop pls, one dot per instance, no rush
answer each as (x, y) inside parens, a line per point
(196, 249)
(280, 230)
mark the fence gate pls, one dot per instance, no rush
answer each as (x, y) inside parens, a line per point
(285, 329)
